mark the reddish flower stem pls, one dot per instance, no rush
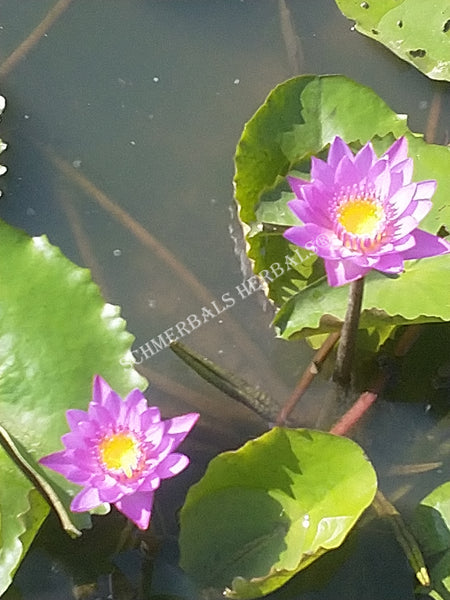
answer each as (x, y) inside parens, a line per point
(353, 415)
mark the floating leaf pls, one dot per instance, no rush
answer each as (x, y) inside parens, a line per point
(264, 512)
(431, 524)
(56, 332)
(416, 31)
(299, 119)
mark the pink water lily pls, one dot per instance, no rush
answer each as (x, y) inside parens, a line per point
(119, 450)
(361, 212)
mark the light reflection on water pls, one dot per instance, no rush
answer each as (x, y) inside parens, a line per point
(148, 100)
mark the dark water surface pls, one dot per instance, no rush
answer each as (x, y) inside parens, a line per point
(147, 99)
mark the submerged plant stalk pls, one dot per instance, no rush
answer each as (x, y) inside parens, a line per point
(308, 375)
(22, 50)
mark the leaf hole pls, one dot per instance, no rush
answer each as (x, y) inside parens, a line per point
(446, 26)
(400, 24)
(420, 53)
(375, 31)
(364, 5)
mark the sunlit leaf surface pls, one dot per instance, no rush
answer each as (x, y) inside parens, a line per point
(417, 31)
(432, 528)
(264, 512)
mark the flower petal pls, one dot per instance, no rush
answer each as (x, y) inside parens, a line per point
(398, 152)
(390, 263)
(172, 465)
(137, 507)
(426, 245)
(74, 417)
(340, 272)
(404, 169)
(150, 417)
(320, 170)
(338, 149)
(401, 200)
(365, 159)
(297, 184)
(425, 189)
(179, 427)
(308, 214)
(85, 500)
(346, 174)
(100, 390)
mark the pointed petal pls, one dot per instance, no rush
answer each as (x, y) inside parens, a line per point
(380, 177)
(305, 236)
(390, 263)
(338, 149)
(307, 214)
(85, 500)
(425, 189)
(404, 244)
(75, 416)
(426, 245)
(297, 185)
(154, 434)
(398, 152)
(401, 200)
(179, 427)
(322, 171)
(137, 507)
(346, 174)
(150, 417)
(113, 404)
(404, 169)
(419, 210)
(340, 272)
(365, 158)
(172, 465)
(56, 460)
(404, 226)
(100, 390)
(150, 483)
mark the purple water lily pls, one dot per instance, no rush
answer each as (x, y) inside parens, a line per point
(361, 212)
(119, 450)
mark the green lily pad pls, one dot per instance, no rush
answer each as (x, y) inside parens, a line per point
(431, 523)
(266, 511)
(320, 308)
(56, 332)
(416, 31)
(299, 119)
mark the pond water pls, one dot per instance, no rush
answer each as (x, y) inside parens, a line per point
(145, 101)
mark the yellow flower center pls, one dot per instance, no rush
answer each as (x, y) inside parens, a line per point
(120, 452)
(360, 216)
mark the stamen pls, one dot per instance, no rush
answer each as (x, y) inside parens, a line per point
(120, 453)
(360, 218)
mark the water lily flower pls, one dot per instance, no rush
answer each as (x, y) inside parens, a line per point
(361, 212)
(119, 450)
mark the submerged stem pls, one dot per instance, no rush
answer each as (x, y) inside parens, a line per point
(349, 331)
(22, 50)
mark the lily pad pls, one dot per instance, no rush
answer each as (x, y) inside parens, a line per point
(299, 119)
(431, 524)
(416, 31)
(56, 332)
(266, 511)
